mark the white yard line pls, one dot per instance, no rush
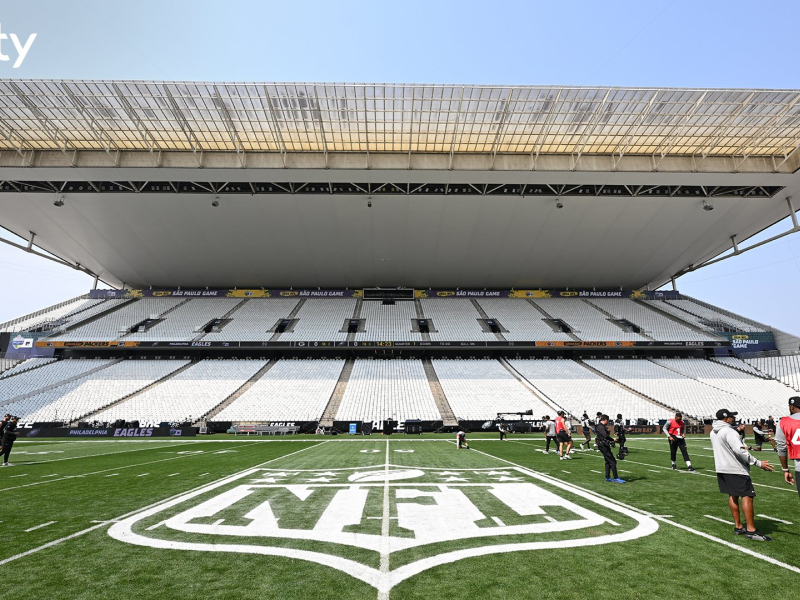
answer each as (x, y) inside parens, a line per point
(104, 471)
(696, 532)
(385, 522)
(718, 519)
(775, 519)
(499, 522)
(40, 526)
(179, 497)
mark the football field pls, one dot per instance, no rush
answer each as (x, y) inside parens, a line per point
(376, 517)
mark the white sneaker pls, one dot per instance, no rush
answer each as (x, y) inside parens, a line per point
(562, 458)
(545, 451)
(568, 457)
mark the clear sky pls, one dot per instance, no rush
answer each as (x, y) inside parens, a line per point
(677, 43)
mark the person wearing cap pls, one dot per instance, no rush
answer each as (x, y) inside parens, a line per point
(675, 429)
(604, 444)
(732, 463)
(787, 439)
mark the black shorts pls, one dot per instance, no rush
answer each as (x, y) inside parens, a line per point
(735, 485)
(563, 437)
(586, 432)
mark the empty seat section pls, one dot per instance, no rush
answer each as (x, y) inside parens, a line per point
(321, 319)
(71, 311)
(586, 321)
(188, 395)
(181, 323)
(254, 320)
(389, 323)
(668, 387)
(680, 314)
(114, 325)
(478, 389)
(392, 389)
(766, 396)
(50, 374)
(785, 369)
(714, 316)
(523, 322)
(653, 324)
(78, 398)
(292, 390)
(738, 363)
(575, 388)
(454, 320)
(25, 365)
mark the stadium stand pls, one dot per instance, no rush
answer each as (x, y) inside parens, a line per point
(765, 396)
(715, 319)
(391, 322)
(586, 321)
(85, 395)
(737, 363)
(785, 369)
(478, 389)
(381, 390)
(652, 324)
(523, 321)
(672, 388)
(114, 325)
(292, 390)
(187, 396)
(254, 320)
(575, 388)
(183, 323)
(16, 367)
(54, 373)
(71, 311)
(321, 319)
(454, 319)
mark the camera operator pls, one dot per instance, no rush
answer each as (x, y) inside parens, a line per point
(9, 435)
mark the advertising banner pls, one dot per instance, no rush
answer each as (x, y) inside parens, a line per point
(380, 344)
(753, 341)
(111, 432)
(229, 293)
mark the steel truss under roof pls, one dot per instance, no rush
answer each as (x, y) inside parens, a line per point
(386, 118)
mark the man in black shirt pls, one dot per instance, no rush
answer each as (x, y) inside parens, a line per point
(604, 445)
(9, 435)
(586, 429)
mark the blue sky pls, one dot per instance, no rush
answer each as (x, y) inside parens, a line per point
(676, 43)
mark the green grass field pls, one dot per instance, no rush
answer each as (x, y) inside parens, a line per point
(312, 517)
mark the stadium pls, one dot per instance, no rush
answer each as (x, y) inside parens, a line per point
(313, 286)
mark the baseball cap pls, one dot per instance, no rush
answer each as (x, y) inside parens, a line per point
(724, 413)
(794, 401)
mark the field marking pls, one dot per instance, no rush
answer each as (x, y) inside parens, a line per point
(567, 472)
(498, 521)
(644, 526)
(385, 541)
(42, 462)
(697, 532)
(22, 475)
(51, 475)
(653, 471)
(113, 475)
(179, 497)
(173, 474)
(203, 474)
(103, 471)
(40, 526)
(718, 519)
(775, 519)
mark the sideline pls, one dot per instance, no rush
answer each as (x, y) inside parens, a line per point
(662, 519)
(198, 489)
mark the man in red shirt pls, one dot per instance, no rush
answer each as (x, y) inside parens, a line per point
(563, 436)
(787, 438)
(675, 429)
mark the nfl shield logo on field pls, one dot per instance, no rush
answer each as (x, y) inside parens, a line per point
(385, 512)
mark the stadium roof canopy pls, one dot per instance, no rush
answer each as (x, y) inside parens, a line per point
(463, 180)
